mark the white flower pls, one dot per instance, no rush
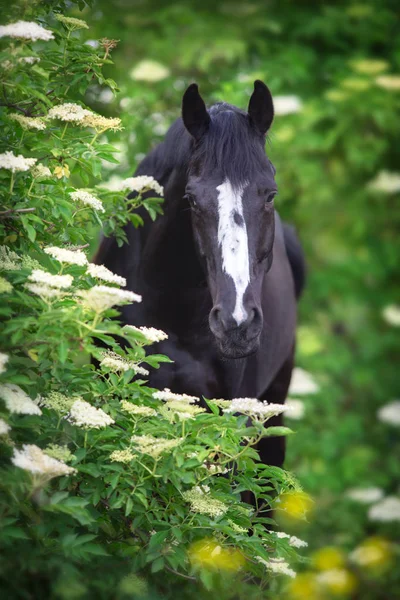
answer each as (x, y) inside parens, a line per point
(4, 427)
(149, 70)
(101, 123)
(134, 409)
(39, 171)
(31, 458)
(117, 363)
(5, 286)
(26, 30)
(182, 410)
(201, 502)
(122, 456)
(333, 578)
(256, 408)
(9, 260)
(386, 510)
(294, 541)
(71, 22)
(18, 401)
(103, 297)
(13, 163)
(286, 105)
(69, 112)
(113, 184)
(390, 413)
(391, 314)
(386, 182)
(388, 82)
(72, 257)
(3, 361)
(101, 272)
(169, 396)
(57, 281)
(296, 408)
(147, 444)
(44, 291)
(29, 60)
(151, 334)
(141, 183)
(28, 122)
(88, 199)
(365, 495)
(302, 383)
(277, 565)
(83, 414)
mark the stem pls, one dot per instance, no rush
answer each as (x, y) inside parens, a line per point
(12, 183)
(64, 130)
(65, 49)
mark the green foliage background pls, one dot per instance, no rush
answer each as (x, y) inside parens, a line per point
(326, 155)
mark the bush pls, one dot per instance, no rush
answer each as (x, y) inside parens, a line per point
(107, 486)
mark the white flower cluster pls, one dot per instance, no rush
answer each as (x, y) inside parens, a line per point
(287, 105)
(255, 408)
(182, 410)
(72, 22)
(28, 122)
(68, 112)
(63, 255)
(277, 565)
(18, 401)
(302, 383)
(4, 427)
(88, 199)
(141, 183)
(58, 402)
(134, 409)
(294, 541)
(5, 286)
(82, 414)
(26, 30)
(117, 363)
(154, 447)
(45, 278)
(39, 171)
(201, 502)
(386, 510)
(13, 163)
(151, 334)
(390, 413)
(102, 297)
(296, 408)
(3, 361)
(122, 456)
(388, 82)
(365, 495)
(101, 272)
(31, 458)
(391, 314)
(44, 292)
(9, 260)
(385, 182)
(169, 396)
(149, 70)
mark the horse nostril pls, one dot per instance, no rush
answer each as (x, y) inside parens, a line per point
(215, 317)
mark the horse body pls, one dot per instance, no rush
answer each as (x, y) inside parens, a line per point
(166, 263)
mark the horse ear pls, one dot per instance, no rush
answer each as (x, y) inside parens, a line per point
(261, 107)
(194, 113)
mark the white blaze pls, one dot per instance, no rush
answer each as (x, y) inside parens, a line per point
(232, 238)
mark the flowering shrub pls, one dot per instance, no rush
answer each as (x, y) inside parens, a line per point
(107, 486)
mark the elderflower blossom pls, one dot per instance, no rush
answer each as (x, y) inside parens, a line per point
(277, 565)
(45, 278)
(102, 297)
(340, 582)
(302, 383)
(169, 396)
(9, 260)
(31, 458)
(182, 410)
(385, 182)
(45, 292)
(255, 408)
(82, 414)
(4, 427)
(117, 363)
(100, 123)
(5, 286)
(88, 199)
(390, 413)
(201, 502)
(72, 22)
(365, 495)
(141, 183)
(26, 30)
(101, 272)
(287, 105)
(391, 314)
(134, 409)
(58, 402)
(374, 552)
(62, 453)
(149, 70)
(63, 255)
(151, 334)
(388, 82)
(154, 447)
(29, 60)
(68, 112)
(3, 361)
(28, 122)
(13, 163)
(294, 541)
(122, 456)
(17, 401)
(39, 171)
(386, 510)
(296, 408)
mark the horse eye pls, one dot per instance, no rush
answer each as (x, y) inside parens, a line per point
(191, 200)
(269, 196)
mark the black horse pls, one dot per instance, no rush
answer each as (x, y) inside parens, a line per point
(218, 272)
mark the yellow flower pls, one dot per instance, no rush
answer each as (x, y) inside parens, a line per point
(209, 554)
(294, 504)
(373, 553)
(328, 558)
(339, 582)
(304, 587)
(62, 171)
